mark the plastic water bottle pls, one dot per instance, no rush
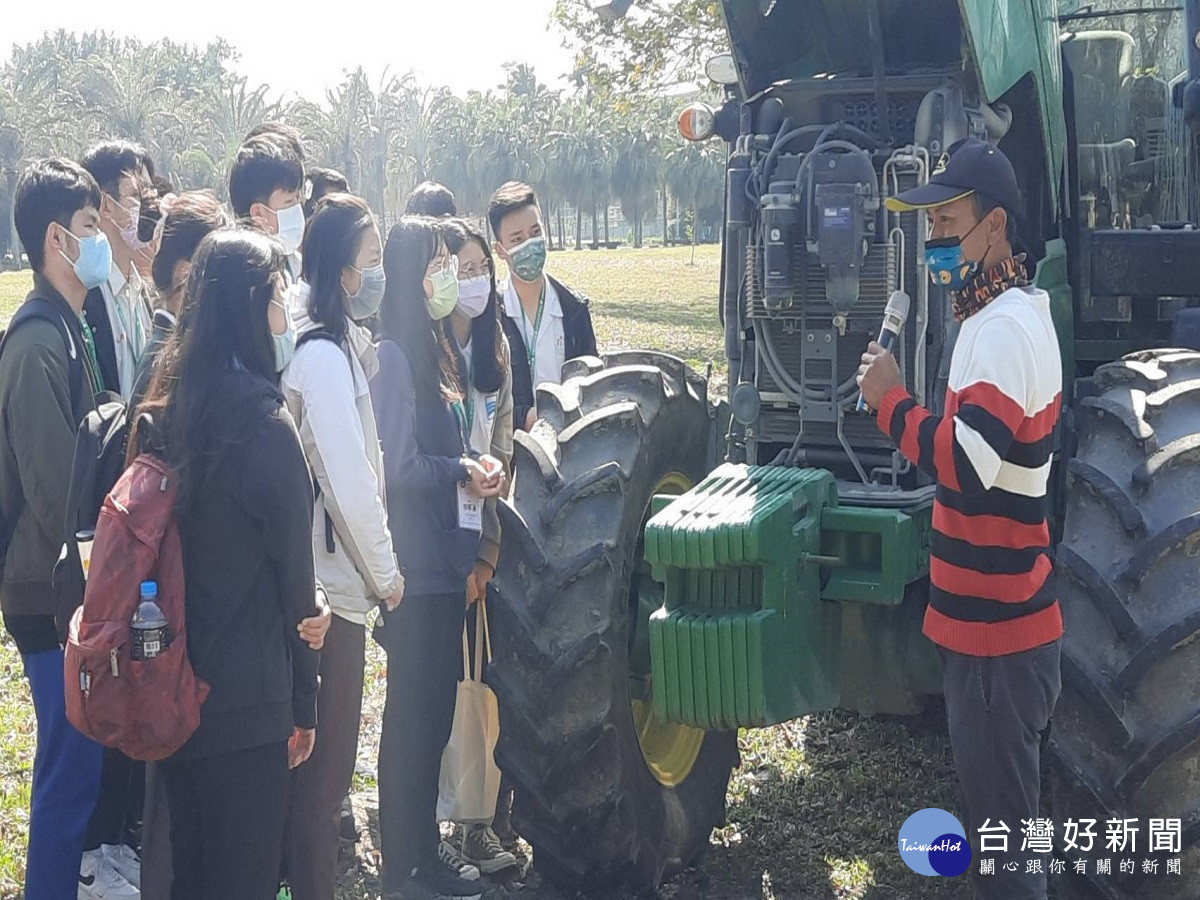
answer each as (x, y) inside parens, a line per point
(149, 626)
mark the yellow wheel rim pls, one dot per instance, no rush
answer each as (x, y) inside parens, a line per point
(670, 750)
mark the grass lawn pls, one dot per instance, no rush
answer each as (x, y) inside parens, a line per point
(817, 806)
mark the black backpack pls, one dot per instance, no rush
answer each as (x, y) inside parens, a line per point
(41, 308)
(99, 460)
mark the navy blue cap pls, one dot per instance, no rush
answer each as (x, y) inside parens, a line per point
(970, 166)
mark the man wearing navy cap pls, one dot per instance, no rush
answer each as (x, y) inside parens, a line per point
(993, 612)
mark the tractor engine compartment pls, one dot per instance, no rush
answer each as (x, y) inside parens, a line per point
(812, 258)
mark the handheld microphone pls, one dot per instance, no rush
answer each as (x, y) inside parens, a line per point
(894, 317)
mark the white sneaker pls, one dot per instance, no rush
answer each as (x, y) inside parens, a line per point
(98, 880)
(125, 860)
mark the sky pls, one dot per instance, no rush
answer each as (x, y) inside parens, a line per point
(462, 44)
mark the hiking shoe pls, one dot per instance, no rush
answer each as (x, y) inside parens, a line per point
(481, 846)
(125, 860)
(442, 880)
(452, 859)
(98, 880)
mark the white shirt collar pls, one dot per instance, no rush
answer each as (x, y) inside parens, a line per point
(512, 303)
(116, 280)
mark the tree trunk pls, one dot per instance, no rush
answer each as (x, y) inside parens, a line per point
(606, 223)
(595, 225)
(666, 239)
(562, 241)
(578, 227)
(637, 225)
(695, 232)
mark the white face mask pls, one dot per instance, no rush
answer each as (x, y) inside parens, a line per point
(290, 228)
(473, 295)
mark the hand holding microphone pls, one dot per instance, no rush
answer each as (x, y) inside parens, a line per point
(879, 373)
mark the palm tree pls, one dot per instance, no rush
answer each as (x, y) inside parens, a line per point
(694, 177)
(636, 171)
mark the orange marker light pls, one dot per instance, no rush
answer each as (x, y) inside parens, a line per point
(696, 122)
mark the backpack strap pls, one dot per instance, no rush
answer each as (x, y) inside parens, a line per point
(42, 308)
(308, 337)
(317, 334)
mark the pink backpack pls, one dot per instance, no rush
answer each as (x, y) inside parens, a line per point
(146, 709)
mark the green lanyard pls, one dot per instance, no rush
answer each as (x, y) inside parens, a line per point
(531, 345)
(92, 363)
(464, 428)
(470, 410)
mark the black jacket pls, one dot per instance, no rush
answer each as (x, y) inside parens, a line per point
(248, 561)
(96, 313)
(37, 444)
(578, 340)
(422, 463)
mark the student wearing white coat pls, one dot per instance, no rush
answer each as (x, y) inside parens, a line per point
(326, 390)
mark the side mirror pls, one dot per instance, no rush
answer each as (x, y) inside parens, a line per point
(722, 70)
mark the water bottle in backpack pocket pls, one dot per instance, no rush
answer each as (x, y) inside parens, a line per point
(149, 632)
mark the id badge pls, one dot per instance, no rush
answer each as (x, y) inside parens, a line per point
(470, 511)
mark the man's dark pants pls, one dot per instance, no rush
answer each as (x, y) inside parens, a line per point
(998, 707)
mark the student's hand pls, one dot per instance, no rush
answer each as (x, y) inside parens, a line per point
(314, 628)
(530, 419)
(877, 375)
(478, 581)
(482, 484)
(494, 468)
(300, 745)
(397, 595)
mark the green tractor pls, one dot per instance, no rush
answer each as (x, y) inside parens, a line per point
(677, 567)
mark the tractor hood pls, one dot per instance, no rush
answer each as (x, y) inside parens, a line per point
(805, 38)
(995, 42)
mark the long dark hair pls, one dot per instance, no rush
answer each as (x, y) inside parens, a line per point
(223, 327)
(403, 315)
(487, 337)
(331, 241)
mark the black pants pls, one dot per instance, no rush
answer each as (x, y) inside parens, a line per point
(227, 816)
(118, 815)
(156, 836)
(423, 640)
(998, 709)
(318, 786)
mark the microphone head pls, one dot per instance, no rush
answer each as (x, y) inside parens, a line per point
(896, 313)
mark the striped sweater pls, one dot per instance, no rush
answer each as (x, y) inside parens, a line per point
(991, 590)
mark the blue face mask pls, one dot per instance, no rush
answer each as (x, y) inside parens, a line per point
(285, 344)
(94, 264)
(364, 302)
(945, 262)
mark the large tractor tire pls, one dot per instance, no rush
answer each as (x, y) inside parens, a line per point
(604, 791)
(1125, 741)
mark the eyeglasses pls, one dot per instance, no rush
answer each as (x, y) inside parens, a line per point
(438, 265)
(474, 270)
